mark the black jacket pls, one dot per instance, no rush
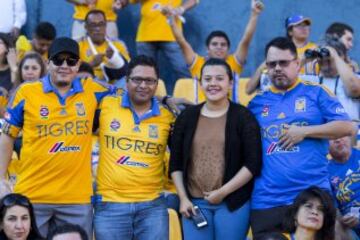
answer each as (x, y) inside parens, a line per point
(242, 147)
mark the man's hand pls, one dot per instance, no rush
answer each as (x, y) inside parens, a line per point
(5, 188)
(257, 6)
(119, 4)
(173, 104)
(291, 136)
(12, 59)
(350, 221)
(98, 59)
(109, 52)
(15, 32)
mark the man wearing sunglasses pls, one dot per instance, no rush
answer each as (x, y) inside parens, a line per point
(56, 116)
(134, 130)
(296, 119)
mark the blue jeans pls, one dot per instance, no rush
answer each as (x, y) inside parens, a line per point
(222, 224)
(140, 220)
(172, 53)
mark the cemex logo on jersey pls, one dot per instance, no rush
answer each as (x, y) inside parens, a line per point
(275, 148)
(59, 147)
(125, 160)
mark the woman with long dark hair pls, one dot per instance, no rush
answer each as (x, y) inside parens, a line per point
(311, 216)
(17, 218)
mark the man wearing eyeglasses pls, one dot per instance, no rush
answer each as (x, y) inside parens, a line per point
(296, 119)
(56, 117)
(108, 57)
(133, 132)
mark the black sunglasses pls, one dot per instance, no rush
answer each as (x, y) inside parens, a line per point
(281, 63)
(15, 199)
(70, 61)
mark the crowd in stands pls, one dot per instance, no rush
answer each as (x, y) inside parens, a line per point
(92, 146)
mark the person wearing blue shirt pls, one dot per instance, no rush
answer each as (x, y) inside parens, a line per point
(296, 119)
(344, 172)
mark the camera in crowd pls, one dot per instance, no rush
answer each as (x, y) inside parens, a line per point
(317, 53)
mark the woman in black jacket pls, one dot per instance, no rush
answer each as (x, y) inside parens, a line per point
(215, 153)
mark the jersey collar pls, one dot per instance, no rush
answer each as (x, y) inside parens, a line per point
(48, 87)
(154, 111)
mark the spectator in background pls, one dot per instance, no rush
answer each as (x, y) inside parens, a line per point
(345, 33)
(217, 173)
(17, 218)
(296, 119)
(12, 17)
(311, 216)
(154, 34)
(107, 57)
(344, 172)
(43, 36)
(83, 7)
(31, 67)
(298, 30)
(67, 232)
(218, 45)
(337, 75)
(8, 64)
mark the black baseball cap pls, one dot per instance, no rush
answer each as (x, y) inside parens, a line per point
(64, 45)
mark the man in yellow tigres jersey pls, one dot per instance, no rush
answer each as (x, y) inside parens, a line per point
(108, 57)
(81, 9)
(218, 45)
(134, 130)
(55, 115)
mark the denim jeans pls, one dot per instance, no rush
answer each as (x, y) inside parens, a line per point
(222, 224)
(172, 53)
(140, 220)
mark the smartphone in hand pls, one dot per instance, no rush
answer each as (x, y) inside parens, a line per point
(199, 219)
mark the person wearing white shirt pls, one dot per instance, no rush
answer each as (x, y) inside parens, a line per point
(12, 16)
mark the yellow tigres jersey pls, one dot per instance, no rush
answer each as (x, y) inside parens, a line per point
(103, 5)
(87, 55)
(309, 68)
(168, 183)
(131, 165)
(23, 45)
(153, 24)
(195, 68)
(55, 164)
(3, 100)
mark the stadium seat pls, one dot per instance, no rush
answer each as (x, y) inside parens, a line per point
(244, 98)
(174, 225)
(161, 89)
(185, 88)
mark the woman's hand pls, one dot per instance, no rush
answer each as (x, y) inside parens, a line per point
(214, 197)
(186, 208)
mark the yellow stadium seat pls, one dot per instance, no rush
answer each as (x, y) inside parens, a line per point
(174, 225)
(185, 88)
(161, 89)
(244, 98)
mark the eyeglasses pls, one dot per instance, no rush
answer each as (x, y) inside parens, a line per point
(281, 63)
(94, 25)
(15, 199)
(70, 61)
(147, 81)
